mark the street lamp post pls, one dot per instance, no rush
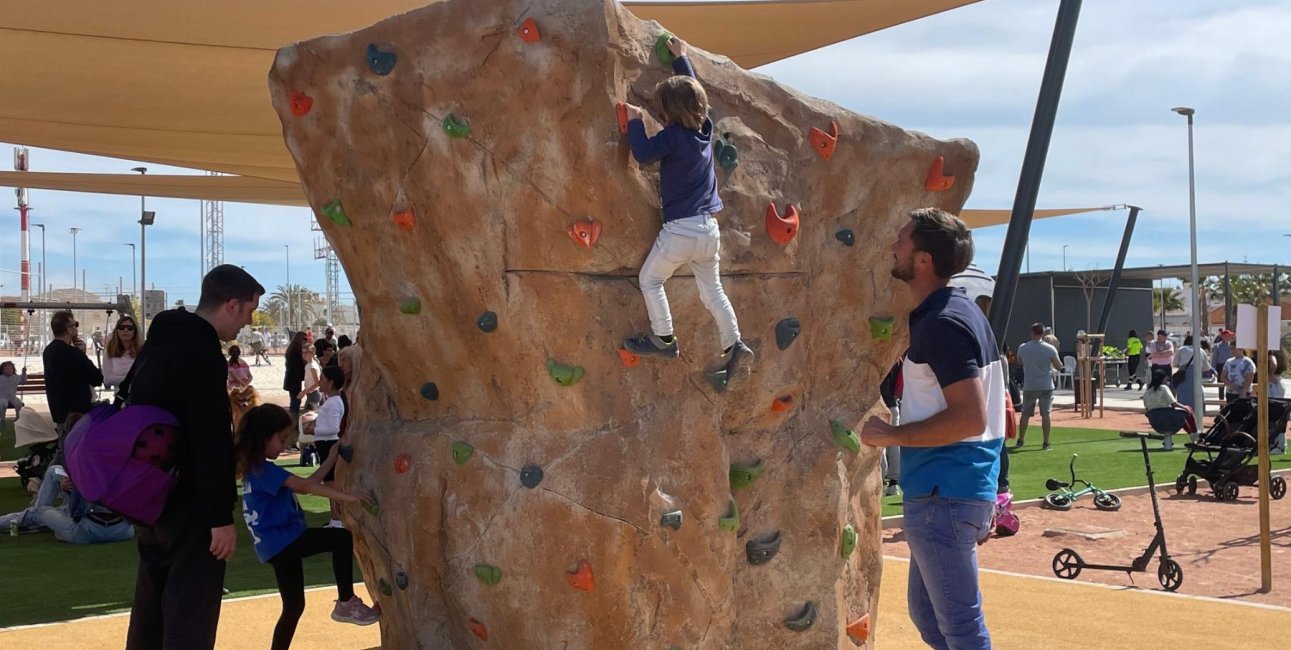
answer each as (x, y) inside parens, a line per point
(134, 279)
(288, 292)
(143, 255)
(1064, 257)
(74, 231)
(1198, 396)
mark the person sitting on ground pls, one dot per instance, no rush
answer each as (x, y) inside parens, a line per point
(1038, 358)
(10, 380)
(122, 350)
(77, 521)
(1159, 396)
(277, 523)
(239, 372)
(1237, 376)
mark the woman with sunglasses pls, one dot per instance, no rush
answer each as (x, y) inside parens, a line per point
(123, 348)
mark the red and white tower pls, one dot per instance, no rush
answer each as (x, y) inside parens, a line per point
(20, 160)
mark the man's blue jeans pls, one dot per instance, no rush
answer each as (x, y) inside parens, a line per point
(944, 601)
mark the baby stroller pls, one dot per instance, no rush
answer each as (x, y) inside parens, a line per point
(35, 432)
(1229, 451)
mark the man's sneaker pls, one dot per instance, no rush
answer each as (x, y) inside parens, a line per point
(335, 523)
(354, 611)
(892, 489)
(1017, 444)
(650, 344)
(1046, 447)
(738, 357)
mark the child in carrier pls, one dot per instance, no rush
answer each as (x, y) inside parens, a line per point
(277, 523)
(690, 235)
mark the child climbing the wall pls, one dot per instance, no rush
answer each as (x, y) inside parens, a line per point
(277, 523)
(690, 235)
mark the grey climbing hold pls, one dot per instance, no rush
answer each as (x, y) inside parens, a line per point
(760, 550)
(786, 331)
(718, 379)
(487, 322)
(401, 579)
(430, 391)
(531, 476)
(346, 452)
(803, 620)
(846, 236)
(671, 520)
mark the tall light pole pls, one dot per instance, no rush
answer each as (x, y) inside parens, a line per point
(1198, 396)
(42, 258)
(288, 292)
(74, 231)
(134, 279)
(1064, 257)
(143, 256)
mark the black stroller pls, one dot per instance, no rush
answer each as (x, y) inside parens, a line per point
(1228, 448)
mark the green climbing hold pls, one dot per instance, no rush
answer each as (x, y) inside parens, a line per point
(731, 521)
(881, 327)
(385, 587)
(563, 374)
(370, 504)
(725, 153)
(335, 212)
(846, 438)
(661, 50)
(488, 574)
(848, 543)
(456, 128)
(743, 476)
(411, 306)
(462, 452)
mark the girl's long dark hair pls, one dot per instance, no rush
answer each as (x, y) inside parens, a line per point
(254, 430)
(234, 353)
(1159, 378)
(293, 348)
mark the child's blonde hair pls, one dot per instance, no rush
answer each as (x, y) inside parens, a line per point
(682, 101)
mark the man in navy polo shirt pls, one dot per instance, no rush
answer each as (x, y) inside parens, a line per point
(951, 432)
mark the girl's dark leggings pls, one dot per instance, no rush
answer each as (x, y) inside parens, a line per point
(290, 572)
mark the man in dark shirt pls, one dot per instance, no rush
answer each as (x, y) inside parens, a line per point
(182, 558)
(70, 376)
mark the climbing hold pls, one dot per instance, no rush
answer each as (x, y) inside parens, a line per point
(782, 403)
(346, 452)
(335, 212)
(531, 476)
(937, 180)
(848, 543)
(370, 504)
(384, 587)
(760, 550)
(581, 578)
(479, 630)
(405, 219)
(786, 332)
(803, 620)
(488, 574)
(742, 476)
(859, 629)
(430, 391)
(487, 322)
(725, 153)
(563, 374)
(462, 452)
(300, 102)
(844, 437)
(585, 233)
(671, 520)
(661, 50)
(881, 327)
(621, 112)
(402, 463)
(730, 522)
(456, 128)
(528, 31)
(846, 236)
(410, 306)
(782, 229)
(630, 360)
(824, 143)
(380, 61)
(718, 379)
(401, 580)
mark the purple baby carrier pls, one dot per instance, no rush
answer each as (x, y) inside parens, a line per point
(125, 459)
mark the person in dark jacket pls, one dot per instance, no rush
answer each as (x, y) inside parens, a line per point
(70, 376)
(295, 372)
(182, 558)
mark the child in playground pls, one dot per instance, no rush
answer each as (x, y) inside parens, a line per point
(277, 523)
(9, 382)
(690, 235)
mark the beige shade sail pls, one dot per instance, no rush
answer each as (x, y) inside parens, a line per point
(183, 82)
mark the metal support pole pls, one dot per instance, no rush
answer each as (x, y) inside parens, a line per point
(1262, 444)
(1277, 290)
(1055, 71)
(1198, 394)
(1115, 282)
(1228, 298)
(143, 260)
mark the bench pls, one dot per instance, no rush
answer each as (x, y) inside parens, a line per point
(35, 384)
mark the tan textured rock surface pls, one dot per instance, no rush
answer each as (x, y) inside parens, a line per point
(623, 446)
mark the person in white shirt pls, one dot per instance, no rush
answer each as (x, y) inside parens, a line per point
(309, 396)
(327, 428)
(1159, 396)
(1237, 376)
(122, 349)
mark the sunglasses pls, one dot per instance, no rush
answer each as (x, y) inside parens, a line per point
(74, 324)
(125, 328)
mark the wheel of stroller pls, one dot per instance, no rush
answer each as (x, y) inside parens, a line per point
(1278, 487)
(1107, 501)
(1058, 501)
(1192, 485)
(1170, 574)
(1067, 564)
(1179, 485)
(1226, 491)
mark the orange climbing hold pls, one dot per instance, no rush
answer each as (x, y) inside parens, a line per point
(622, 110)
(782, 403)
(300, 102)
(859, 629)
(782, 229)
(585, 233)
(479, 630)
(528, 31)
(824, 143)
(937, 180)
(405, 219)
(581, 578)
(630, 360)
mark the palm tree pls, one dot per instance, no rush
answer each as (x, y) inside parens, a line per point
(291, 305)
(1170, 296)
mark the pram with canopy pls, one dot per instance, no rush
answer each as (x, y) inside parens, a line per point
(1225, 455)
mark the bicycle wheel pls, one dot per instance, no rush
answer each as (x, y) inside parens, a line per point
(1107, 501)
(1058, 501)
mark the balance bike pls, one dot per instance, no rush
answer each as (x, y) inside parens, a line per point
(1064, 496)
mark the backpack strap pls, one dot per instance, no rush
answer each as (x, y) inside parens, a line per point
(123, 391)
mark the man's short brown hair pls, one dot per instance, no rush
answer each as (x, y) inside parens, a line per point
(61, 322)
(943, 236)
(1037, 329)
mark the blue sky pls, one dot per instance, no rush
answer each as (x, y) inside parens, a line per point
(972, 73)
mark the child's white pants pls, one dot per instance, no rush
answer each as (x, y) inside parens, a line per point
(702, 253)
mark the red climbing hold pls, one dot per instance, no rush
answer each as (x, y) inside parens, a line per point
(405, 219)
(782, 229)
(630, 360)
(581, 578)
(528, 31)
(585, 233)
(401, 463)
(622, 110)
(824, 143)
(937, 180)
(479, 630)
(859, 629)
(782, 403)
(300, 102)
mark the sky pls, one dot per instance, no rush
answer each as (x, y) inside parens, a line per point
(969, 73)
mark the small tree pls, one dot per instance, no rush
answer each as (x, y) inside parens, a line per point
(1089, 281)
(261, 318)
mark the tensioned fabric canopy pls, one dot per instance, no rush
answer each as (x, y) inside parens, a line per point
(183, 82)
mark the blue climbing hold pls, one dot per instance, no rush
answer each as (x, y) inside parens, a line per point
(346, 452)
(531, 476)
(786, 331)
(380, 61)
(430, 391)
(726, 154)
(401, 579)
(846, 236)
(487, 322)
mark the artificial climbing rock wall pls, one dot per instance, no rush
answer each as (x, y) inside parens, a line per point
(536, 487)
